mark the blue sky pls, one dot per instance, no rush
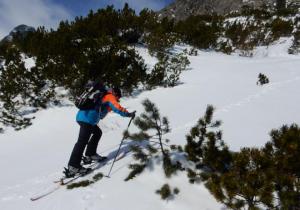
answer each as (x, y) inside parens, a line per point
(50, 12)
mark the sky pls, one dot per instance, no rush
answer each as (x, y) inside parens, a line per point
(50, 12)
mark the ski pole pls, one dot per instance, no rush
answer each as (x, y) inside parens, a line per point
(118, 149)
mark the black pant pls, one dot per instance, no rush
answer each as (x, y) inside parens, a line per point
(86, 130)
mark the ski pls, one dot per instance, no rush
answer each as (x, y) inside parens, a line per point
(65, 181)
(45, 194)
(93, 166)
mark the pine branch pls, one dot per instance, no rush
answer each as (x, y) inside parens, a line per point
(136, 169)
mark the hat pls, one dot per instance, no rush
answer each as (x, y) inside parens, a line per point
(117, 92)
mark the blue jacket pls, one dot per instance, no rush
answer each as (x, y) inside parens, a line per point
(93, 116)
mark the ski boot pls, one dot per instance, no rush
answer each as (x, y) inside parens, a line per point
(72, 171)
(93, 158)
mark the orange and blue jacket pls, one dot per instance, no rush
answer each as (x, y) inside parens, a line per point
(109, 103)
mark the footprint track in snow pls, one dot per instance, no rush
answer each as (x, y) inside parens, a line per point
(250, 98)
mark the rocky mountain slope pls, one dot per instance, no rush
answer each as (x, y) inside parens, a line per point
(21, 30)
(181, 9)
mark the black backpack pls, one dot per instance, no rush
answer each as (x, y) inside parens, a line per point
(91, 97)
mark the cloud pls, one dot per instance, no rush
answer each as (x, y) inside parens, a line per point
(30, 12)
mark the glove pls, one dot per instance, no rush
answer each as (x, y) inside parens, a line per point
(131, 114)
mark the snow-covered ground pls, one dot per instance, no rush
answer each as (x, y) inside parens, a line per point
(31, 159)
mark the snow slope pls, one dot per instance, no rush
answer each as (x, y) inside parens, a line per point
(31, 159)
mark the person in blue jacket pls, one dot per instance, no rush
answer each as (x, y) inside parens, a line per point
(90, 133)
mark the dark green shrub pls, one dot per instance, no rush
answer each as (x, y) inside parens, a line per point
(284, 152)
(239, 34)
(167, 71)
(17, 100)
(83, 183)
(200, 31)
(224, 47)
(161, 36)
(152, 126)
(260, 178)
(176, 191)
(281, 28)
(261, 13)
(205, 146)
(280, 5)
(295, 48)
(248, 183)
(262, 79)
(97, 177)
(89, 48)
(165, 192)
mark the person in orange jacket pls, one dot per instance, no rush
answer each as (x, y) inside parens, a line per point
(90, 133)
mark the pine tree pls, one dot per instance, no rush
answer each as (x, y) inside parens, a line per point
(262, 79)
(166, 192)
(12, 91)
(168, 70)
(206, 149)
(284, 151)
(152, 127)
(176, 65)
(266, 177)
(248, 183)
(199, 31)
(295, 48)
(147, 20)
(281, 28)
(92, 47)
(161, 36)
(131, 31)
(281, 5)
(18, 100)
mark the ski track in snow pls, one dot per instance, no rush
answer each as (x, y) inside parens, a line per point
(266, 89)
(33, 186)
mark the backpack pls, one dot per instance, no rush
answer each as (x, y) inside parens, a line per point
(91, 96)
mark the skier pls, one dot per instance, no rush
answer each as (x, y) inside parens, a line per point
(90, 133)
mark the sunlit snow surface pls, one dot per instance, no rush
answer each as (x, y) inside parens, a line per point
(31, 159)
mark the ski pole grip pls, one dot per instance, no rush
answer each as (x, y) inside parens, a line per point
(133, 115)
(130, 121)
